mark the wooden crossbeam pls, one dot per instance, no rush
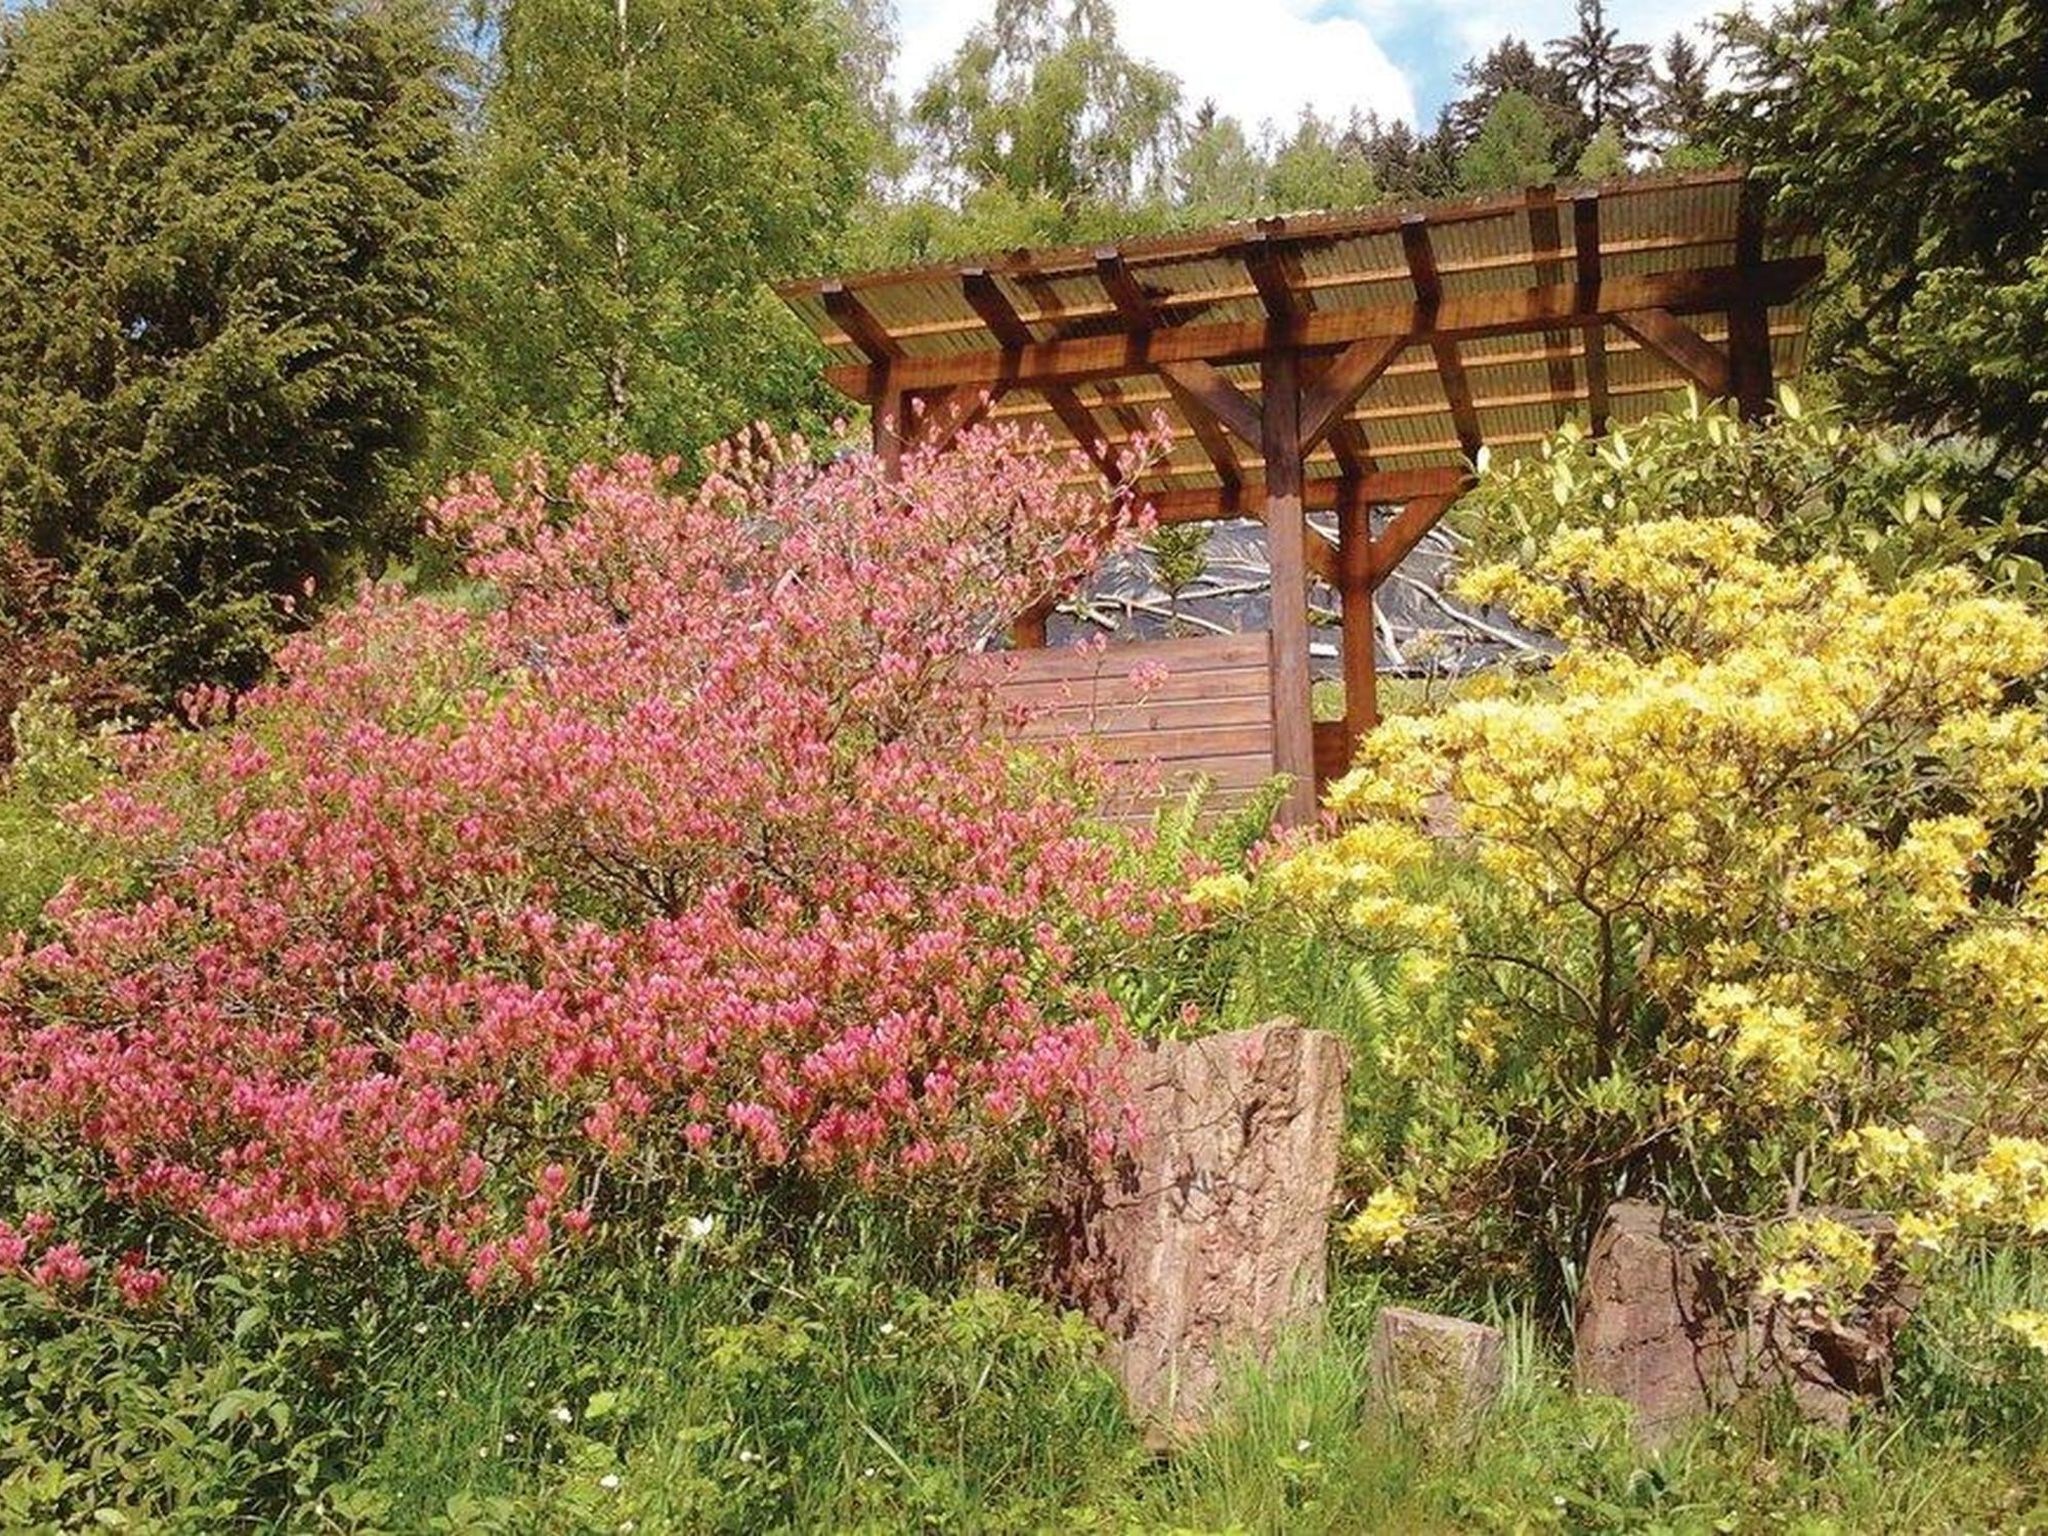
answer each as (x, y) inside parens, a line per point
(1321, 555)
(1262, 260)
(1354, 451)
(951, 413)
(1399, 538)
(1205, 386)
(1088, 437)
(866, 331)
(1679, 345)
(986, 295)
(1590, 298)
(1383, 487)
(1123, 290)
(1544, 241)
(1082, 359)
(1214, 440)
(1127, 415)
(1450, 366)
(1348, 377)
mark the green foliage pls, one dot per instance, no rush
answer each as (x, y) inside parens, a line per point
(1817, 481)
(1913, 135)
(55, 765)
(1512, 148)
(1320, 167)
(1043, 100)
(641, 170)
(1603, 158)
(225, 251)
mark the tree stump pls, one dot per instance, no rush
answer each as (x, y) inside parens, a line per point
(1440, 1376)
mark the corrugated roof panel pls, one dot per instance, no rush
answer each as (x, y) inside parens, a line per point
(1483, 255)
(1523, 383)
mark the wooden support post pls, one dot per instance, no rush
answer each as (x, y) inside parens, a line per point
(1749, 320)
(1027, 633)
(1286, 554)
(892, 425)
(1586, 251)
(1545, 241)
(1355, 586)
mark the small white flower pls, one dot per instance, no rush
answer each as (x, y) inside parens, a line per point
(510, 1438)
(867, 1471)
(609, 1482)
(563, 1415)
(698, 1228)
(420, 1329)
(887, 1329)
(748, 1456)
(1301, 1447)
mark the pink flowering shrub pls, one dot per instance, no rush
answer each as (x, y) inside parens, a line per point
(686, 850)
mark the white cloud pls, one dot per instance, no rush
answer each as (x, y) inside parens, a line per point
(1258, 59)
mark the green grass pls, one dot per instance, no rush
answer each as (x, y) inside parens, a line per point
(701, 1400)
(859, 1379)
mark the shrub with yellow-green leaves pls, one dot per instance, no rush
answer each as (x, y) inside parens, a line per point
(1710, 923)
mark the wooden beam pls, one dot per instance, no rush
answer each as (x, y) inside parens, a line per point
(1545, 241)
(1354, 451)
(1286, 534)
(1590, 298)
(1268, 273)
(1320, 555)
(986, 295)
(1386, 487)
(1680, 346)
(866, 331)
(1400, 536)
(1214, 440)
(1450, 367)
(1088, 437)
(1027, 631)
(947, 415)
(1355, 588)
(1205, 385)
(1460, 317)
(1349, 376)
(892, 424)
(1749, 325)
(1123, 290)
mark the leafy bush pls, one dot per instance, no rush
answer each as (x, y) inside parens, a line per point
(1715, 895)
(1819, 484)
(693, 852)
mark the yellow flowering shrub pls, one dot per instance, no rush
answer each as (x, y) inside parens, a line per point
(1712, 923)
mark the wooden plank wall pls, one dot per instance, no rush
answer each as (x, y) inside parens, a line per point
(1210, 713)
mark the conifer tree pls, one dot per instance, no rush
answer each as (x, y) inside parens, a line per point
(223, 256)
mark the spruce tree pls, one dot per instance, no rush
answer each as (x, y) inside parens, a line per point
(218, 287)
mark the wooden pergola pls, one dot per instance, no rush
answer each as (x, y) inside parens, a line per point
(1336, 363)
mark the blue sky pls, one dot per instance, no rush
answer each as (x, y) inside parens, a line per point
(1266, 59)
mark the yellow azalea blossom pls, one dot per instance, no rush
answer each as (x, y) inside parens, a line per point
(2030, 1327)
(1384, 1223)
(1888, 1154)
(1220, 893)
